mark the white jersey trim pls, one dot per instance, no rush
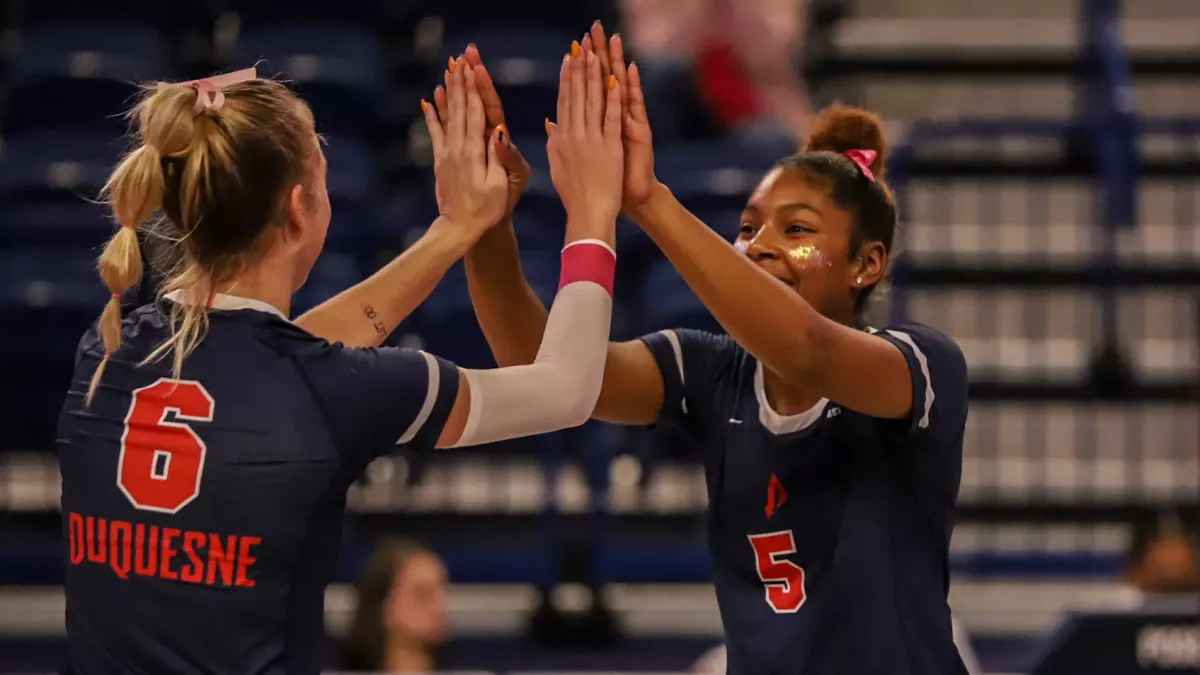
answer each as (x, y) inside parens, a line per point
(678, 349)
(431, 392)
(225, 301)
(783, 424)
(904, 337)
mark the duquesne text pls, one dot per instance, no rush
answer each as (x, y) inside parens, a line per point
(130, 549)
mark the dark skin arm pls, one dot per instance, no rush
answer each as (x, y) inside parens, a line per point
(513, 318)
(764, 316)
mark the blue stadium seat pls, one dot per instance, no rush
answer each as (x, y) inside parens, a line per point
(712, 174)
(332, 274)
(524, 64)
(667, 302)
(47, 299)
(469, 14)
(56, 167)
(80, 76)
(351, 172)
(81, 225)
(352, 180)
(337, 70)
(346, 13)
(144, 12)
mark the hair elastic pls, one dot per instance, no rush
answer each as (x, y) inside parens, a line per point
(863, 159)
(208, 90)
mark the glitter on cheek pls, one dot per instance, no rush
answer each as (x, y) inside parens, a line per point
(808, 256)
(741, 245)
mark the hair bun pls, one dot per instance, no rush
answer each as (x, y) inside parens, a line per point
(839, 128)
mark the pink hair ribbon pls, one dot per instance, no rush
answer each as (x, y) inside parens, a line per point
(863, 159)
(208, 90)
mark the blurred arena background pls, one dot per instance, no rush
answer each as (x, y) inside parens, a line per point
(1047, 158)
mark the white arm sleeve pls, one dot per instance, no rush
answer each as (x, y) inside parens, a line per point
(560, 388)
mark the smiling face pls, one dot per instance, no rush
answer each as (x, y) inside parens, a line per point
(793, 229)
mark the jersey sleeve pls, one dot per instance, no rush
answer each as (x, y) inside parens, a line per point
(691, 363)
(939, 380)
(377, 398)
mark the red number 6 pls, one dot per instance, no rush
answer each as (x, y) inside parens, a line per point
(161, 462)
(783, 579)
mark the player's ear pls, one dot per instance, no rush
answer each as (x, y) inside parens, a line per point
(297, 212)
(869, 265)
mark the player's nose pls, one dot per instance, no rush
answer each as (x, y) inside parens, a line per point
(762, 247)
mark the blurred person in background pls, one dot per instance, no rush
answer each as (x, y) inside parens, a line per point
(399, 621)
(1163, 561)
(741, 56)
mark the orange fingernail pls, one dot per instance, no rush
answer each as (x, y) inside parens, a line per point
(424, 106)
(548, 126)
(574, 47)
(612, 81)
(451, 66)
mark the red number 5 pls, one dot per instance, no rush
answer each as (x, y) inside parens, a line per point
(783, 579)
(161, 462)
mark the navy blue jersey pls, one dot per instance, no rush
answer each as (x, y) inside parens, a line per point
(204, 514)
(828, 530)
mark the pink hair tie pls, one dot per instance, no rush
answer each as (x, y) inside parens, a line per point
(863, 159)
(208, 90)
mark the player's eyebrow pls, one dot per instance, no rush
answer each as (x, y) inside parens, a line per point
(798, 206)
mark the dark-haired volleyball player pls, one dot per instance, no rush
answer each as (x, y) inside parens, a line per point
(203, 492)
(832, 450)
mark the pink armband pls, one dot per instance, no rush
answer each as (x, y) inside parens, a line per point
(588, 260)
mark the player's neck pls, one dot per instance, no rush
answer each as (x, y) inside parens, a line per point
(407, 657)
(787, 399)
(262, 282)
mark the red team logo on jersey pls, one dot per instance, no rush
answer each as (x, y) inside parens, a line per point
(776, 495)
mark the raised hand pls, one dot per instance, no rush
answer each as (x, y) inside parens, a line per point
(639, 180)
(472, 184)
(584, 146)
(514, 163)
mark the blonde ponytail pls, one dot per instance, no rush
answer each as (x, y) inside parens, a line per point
(134, 190)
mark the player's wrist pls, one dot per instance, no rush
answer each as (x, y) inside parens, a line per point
(643, 210)
(452, 236)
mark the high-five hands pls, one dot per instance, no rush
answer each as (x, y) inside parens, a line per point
(584, 145)
(639, 182)
(472, 184)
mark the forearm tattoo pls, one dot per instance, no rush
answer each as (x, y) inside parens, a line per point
(373, 317)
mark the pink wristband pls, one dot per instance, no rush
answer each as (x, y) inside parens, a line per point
(588, 260)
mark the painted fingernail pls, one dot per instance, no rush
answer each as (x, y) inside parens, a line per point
(424, 106)
(451, 66)
(548, 126)
(612, 81)
(574, 47)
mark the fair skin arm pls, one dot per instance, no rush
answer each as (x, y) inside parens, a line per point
(513, 318)
(366, 313)
(764, 316)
